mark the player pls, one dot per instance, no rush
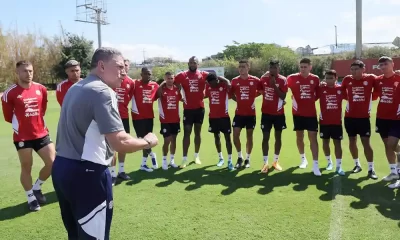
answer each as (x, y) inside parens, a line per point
(274, 88)
(192, 83)
(218, 94)
(304, 87)
(124, 95)
(168, 97)
(358, 87)
(73, 70)
(330, 119)
(142, 113)
(244, 92)
(24, 106)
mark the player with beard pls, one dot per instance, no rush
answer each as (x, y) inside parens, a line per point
(73, 70)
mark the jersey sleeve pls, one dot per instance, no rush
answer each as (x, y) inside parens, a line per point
(376, 90)
(106, 112)
(59, 94)
(284, 85)
(179, 78)
(233, 87)
(8, 107)
(316, 87)
(44, 100)
(289, 81)
(207, 91)
(154, 91)
(204, 74)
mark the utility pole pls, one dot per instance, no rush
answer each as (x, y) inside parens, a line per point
(336, 36)
(144, 55)
(358, 29)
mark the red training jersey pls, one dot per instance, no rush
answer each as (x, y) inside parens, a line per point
(330, 102)
(124, 95)
(193, 84)
(168, 105)
(303, 94)
(384, 88)
(359, 95)
(272, 104)
(25, 108)
(218, 100)
(246, 91)
(62, 89)
(142, 100)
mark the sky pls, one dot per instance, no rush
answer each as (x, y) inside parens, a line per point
(181, 29)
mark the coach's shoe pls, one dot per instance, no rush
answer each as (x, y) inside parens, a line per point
(277, 166)
(220, 163)
(395, 185)
(265, 168)
(357, 169)
(340, 171)
(34, 206)
(329, 167)
(372, 175)
(172, 164)
(391, 177)
(39, 196)
(230, 166)
(184, 164)
(145, 168)
(247, 163)
(123, 176)
(197, 161)
(239, 163)
(113, 181)
(164, 165)
(303, 164)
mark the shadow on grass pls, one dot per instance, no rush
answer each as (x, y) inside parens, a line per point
(22, 209)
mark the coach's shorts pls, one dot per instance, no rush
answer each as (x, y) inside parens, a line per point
(305, 123)
(383, 126)
(125, 122)
(170, 129)
(85, 197)
(334, 132)
(193, 116)
(143, 127)
(218, 125)
(248, 122)
(35, 144)
(357, 126)
(278, 121)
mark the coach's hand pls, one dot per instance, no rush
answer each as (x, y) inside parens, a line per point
(151, 139)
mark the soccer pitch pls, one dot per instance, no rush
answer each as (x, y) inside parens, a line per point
(206, 202)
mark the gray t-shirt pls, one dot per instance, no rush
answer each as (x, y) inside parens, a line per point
(89, 111)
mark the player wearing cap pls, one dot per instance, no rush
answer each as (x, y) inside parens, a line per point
(359, 87)
(73, 70)
(304, 87)
(218, 94)
(143, 96)
(24, 106)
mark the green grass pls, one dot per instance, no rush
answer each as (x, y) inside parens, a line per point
(204, 202)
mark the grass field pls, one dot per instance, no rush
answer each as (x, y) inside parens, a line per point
(204, 202)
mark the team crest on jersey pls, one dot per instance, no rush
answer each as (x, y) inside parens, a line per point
(321, 134)
(339, 92)
(312, 81)
(128, 86)
(365, 83)
(164, 130)
(251, 83)
(220, 89)
(21, 144)
(38, 92)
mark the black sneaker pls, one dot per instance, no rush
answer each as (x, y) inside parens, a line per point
(239, 163)
(39, 196)
(372, 175)
(113, 180)
(357, 169)
(34, 206)
(247, 163)
(123, 176)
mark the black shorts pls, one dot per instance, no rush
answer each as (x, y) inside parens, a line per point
(383, 126)
(170, 129)
(218, 125)
(278, 121)
(395, 129)
(334, 132)
(125, 122)
(143, 127)
(248, 122)
(305, 123)
(35, 144)
(357, 126)
(193, 116)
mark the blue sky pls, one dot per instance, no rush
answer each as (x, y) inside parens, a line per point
(180, 29)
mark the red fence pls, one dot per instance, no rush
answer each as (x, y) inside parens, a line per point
(342, 67)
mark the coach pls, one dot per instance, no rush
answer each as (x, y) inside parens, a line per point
(89, 130)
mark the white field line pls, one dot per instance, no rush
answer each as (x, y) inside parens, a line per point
(335, 228)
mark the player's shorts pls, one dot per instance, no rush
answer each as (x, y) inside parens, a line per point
(218, 125)
(357, 126)
(248, 122)
(395, 129)
(170, 129)
(84, 193)
(125, 122)
(278, 121)
(305, 123)
(193, 116)
(334, 132)
(143, 127)
(35, 144)
(383, 126)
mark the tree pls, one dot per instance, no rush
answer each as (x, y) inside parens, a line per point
(78, 48)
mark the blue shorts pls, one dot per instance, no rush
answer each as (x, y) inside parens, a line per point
(84, 192)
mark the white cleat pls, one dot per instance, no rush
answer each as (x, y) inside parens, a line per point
(146, 168)
(316, 171)
(303, 164)
(395, 185)
(391, 177)
(165, 165)
(172, 164)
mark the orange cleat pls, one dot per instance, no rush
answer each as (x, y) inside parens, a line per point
(277, 166)
(265, 168)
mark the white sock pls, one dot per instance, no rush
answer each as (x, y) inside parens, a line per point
(196, 155)
(240, 155)
(184, 158)
(370, 166)
(338, 163)
(38, 184)
(316, 163)
(153, 155)
(328, 158)
(265, 159)
(164, 158)
(229, 157)
(276, 158)
(30, 196)
(221, 157)
(357, 162)
(172, 158)
(393, 168)
(121, 167)
(303, 157)
(144, 161)
(248, 156)
(112, 171)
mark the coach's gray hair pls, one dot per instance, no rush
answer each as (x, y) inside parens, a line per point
(103, 54)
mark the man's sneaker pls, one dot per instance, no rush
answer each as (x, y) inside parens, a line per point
(265, 168)
(247, 163)
(329, 167)
(395, 185)
(172, 164)
(277, 166)
(34, 205)
(303, 164)
(184, 164)
(372, 175)
(165, 165)
(113, 181)
(316, 171)
(230, 166)
(145, 168)
(340, 171)
(197, 161)
(357, 169)
(220, 163)
(154, 162)
(391, 177)
(39, 196)
(239, 163)
(123, 176)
